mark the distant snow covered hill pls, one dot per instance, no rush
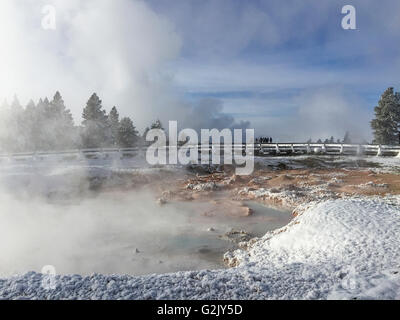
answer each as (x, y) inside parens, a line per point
(347, 248)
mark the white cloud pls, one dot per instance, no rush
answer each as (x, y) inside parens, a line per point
(318, 113)
(332, 111)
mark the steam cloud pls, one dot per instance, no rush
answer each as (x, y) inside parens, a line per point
(120, 49)
(48, 216)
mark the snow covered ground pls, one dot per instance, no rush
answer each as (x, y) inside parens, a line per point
(338, 249)
(335, 249)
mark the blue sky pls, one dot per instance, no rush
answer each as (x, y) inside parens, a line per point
(265, 59)
(283, 67)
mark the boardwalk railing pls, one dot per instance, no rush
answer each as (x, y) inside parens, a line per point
(330, 148)
(270, 149)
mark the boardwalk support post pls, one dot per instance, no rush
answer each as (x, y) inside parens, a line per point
(360, 150)
(379, 153)
(80, 155)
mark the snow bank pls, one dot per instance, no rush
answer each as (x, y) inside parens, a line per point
(346, 248)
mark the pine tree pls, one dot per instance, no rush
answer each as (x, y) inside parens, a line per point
(62, 123)
(113, 120)
(16, 127)
(4, 123)
(154, 125)
(157, 125)
(57, 104)
(43, 139)
(31, 107)
(145, 132)
(5, 106)
(59, 110)
(386, 125)
(16, 106)
(127, 133)
(95, 124)
(32, 129)
(347, 138)
(45, 126)
(46, 106)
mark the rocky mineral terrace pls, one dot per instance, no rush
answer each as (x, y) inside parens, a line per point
(284, 185)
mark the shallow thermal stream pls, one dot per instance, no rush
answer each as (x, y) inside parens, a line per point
(120, 233)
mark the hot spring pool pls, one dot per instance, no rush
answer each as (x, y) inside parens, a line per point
(121, 233)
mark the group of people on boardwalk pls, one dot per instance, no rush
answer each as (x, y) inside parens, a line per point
(264, 140)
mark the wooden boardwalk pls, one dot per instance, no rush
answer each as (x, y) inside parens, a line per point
(272, 149)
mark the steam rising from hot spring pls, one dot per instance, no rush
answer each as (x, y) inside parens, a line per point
(93, 217)
(113, 233)
(122, 50)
